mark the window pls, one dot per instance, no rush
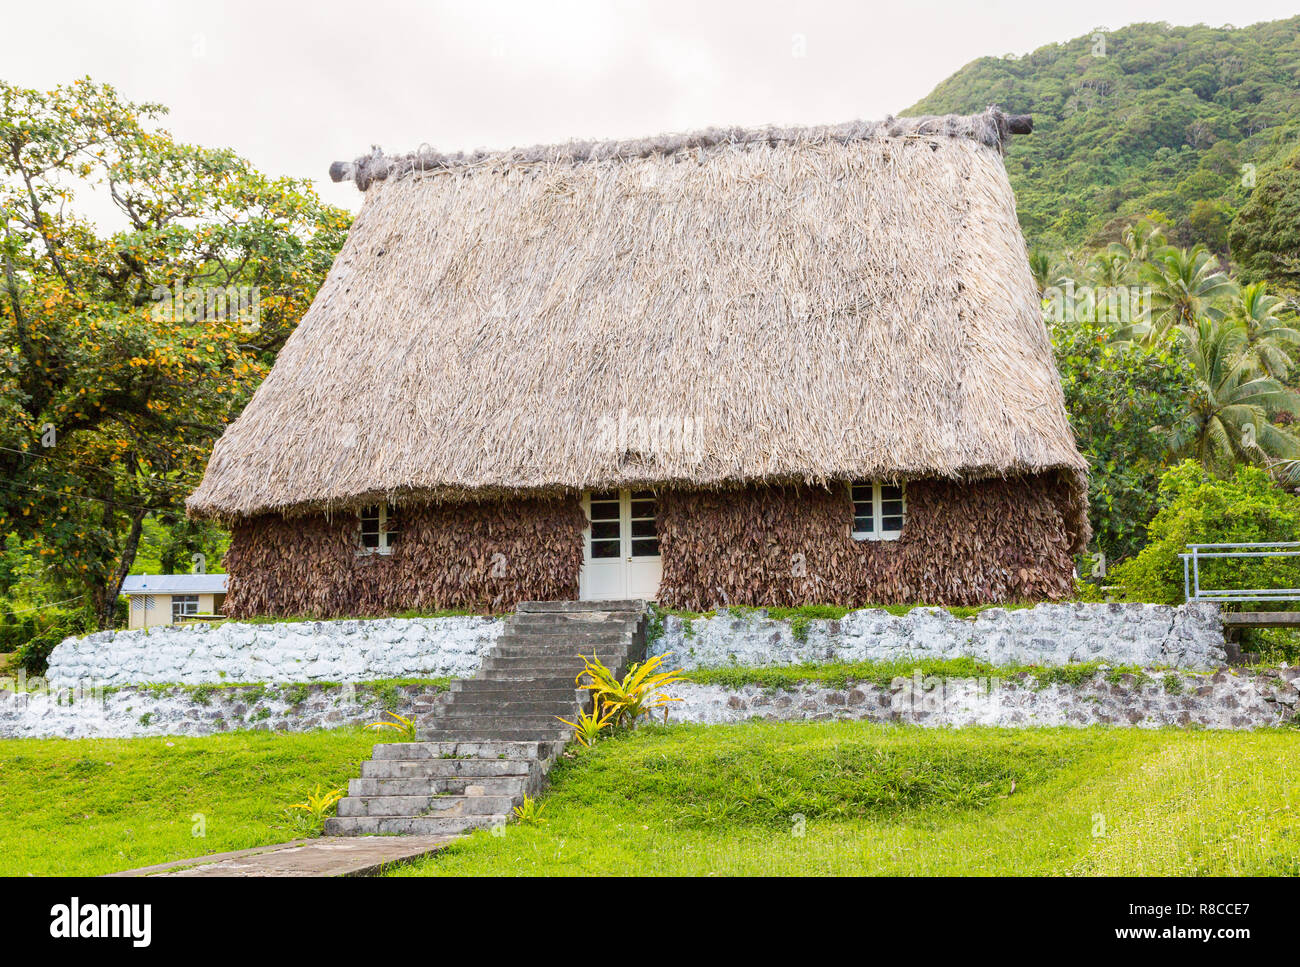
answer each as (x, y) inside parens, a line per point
(645, 535)
(606, 518)
(184, 604)
(879, 511)
(378, 529)
(622, 523)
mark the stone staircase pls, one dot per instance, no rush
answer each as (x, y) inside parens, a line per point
(496, 736)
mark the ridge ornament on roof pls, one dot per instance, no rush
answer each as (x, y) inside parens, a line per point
(992, 128)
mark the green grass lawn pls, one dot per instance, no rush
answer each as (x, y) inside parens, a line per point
(711, 800)
(702, 800)
(91, 806)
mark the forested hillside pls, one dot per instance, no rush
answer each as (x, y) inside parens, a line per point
(1147, 119)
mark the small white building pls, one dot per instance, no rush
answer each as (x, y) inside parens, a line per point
(165, 599)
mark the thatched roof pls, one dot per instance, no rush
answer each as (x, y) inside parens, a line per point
(734, 306)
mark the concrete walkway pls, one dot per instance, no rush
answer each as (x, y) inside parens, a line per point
(326, 856)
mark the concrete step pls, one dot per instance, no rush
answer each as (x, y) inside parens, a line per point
(454, 747)
(556, 665)
(479, 720)
(426, 770)
(445, 786)
(476, 705)
(515, 633)
(506, 690)
(534, 678)
(565, 648)
(408, 825)
(557, 736)
(629, 605)
(562, 659)
(572, 619)
(426, 805)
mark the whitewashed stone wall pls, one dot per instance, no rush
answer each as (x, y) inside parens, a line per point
(133, 712)
(1187, 636)
(298, 651)
(1226, 699)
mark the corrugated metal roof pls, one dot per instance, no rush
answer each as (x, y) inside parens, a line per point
(175, 584)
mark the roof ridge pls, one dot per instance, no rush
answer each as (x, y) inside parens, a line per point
(992, 128)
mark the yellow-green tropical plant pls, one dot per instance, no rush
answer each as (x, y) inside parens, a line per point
(589, 725)
(529, 813)
(318, 804)
(635, 695)
(404, 726)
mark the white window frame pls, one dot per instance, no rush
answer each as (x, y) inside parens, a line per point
(184, 601)
(386, 543)
(877, 533)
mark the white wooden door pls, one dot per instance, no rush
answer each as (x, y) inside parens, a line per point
(621, 546)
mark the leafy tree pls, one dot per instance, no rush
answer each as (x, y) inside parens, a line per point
(124, 355)
(1265, 235)
(1197, 507)
(1124, 401)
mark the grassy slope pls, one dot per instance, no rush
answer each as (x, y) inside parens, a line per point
(710, 799)
(721, 800)
(91, 806)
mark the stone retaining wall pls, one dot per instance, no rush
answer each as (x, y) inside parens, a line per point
(135, 712)
(1226, 699)
(299, 651)
(1187, 636)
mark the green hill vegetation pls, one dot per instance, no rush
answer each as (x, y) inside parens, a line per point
(1150, 119)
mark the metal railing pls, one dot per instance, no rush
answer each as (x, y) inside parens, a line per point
(1192, 590)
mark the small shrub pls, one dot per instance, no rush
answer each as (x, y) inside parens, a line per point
(316, 807)
(590, 724)
(1198, 508)
(530, 812)
(634, 696)
(404, 727)
(654, 626)
(33, 635)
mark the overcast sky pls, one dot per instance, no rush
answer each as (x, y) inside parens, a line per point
(296, 86)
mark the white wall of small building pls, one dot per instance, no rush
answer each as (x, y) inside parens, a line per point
(159, 611)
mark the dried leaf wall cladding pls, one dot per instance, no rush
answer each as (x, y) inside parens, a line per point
(963, 543)
(486, 556)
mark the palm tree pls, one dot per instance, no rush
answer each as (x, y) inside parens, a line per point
(1140, 242)
(1187, 285)
(1046, 271)
(1110, 268)
(1267, 336)
(1229, 412)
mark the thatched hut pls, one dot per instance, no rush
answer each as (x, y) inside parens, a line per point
(763, 367)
